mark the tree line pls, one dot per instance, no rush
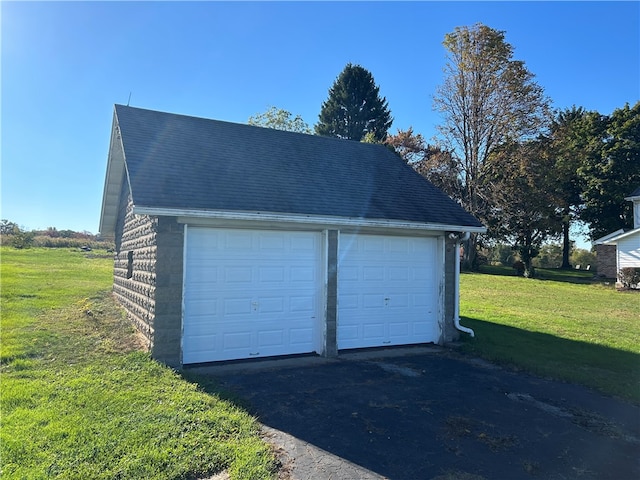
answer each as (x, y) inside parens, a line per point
(18, 237)
(527, 171)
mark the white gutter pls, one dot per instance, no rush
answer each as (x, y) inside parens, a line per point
(300, 219)
(456, 304)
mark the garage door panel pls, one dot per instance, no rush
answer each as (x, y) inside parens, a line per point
(272, 274)
(237, 306)
(203, 342)
(300, 304)
(300, 336)
(372, 273)
(236, 341)
(270, 338)
(203, 307)
(398, 301)
(303, 274)
(372, 301)
(270, 305)
(387, 290)
(373, 331)
(271, 242)
(400, 329)
(263, 289)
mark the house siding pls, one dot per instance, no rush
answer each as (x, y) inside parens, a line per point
(629, 252)
(606, 261)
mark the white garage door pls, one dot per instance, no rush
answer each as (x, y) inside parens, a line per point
(250, 293)
(387, 291)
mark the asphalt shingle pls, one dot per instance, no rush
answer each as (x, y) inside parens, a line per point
(182, 162)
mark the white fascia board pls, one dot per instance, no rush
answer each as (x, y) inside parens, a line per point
(112, 182)
(633, 199)
(187, 215)
(614, 240)
(609, 236)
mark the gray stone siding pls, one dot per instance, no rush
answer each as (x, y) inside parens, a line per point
(134, 274)
(606, 261)
(148, 279)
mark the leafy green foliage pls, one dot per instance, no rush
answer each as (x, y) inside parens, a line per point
(354, 107)
(280, 120)
(568, 143)
(610, 169)
(523, 207)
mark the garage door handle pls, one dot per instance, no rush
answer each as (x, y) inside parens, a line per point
(254, 354)
(387, 342)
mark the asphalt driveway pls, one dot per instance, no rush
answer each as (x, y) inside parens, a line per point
(431, 413)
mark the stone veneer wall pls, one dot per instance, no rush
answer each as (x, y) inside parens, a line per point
(149, 286)
(606, 261)
(136, 236)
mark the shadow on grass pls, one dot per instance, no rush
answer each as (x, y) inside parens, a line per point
(611, 371)
(582, 277)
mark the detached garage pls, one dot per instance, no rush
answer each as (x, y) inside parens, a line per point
(237, 242)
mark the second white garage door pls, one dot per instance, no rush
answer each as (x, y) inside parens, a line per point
(250, 293)
(387, 290)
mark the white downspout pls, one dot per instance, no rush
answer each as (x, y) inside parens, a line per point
(456, 301)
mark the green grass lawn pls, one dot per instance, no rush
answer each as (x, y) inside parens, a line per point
(560, 325)
(81, 400)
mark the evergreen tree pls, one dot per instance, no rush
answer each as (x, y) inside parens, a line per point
(354, 107)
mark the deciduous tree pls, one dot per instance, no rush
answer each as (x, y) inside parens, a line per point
(436, 165)
(523, 210)
(280, 120)
(611, 171)
(570, 147)
(487, 99)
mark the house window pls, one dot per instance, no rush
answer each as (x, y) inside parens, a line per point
(130, 264)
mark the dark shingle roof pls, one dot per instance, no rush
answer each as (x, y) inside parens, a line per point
(182, 162)
(635, 193)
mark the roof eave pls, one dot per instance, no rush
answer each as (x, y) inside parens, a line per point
(614, 240)
(187, 216)
(112, 183)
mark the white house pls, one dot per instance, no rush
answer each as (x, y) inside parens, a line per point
(627, 242)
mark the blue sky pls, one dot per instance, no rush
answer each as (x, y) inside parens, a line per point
(64, 66)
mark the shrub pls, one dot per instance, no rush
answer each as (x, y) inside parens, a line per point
(22, 239)
(629, 277)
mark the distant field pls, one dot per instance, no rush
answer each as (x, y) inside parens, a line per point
(81, 400)
(561, 325)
